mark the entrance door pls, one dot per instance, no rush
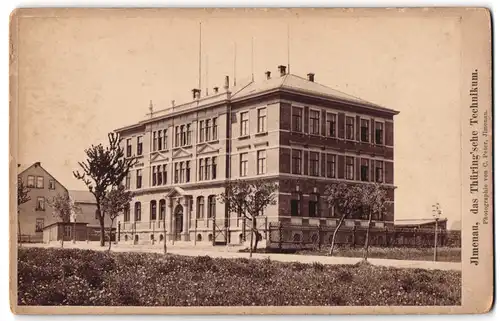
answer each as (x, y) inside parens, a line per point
(178, 222)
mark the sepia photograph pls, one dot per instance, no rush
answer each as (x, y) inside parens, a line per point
(280, 161)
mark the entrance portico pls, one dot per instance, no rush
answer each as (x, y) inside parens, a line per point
(179, 213)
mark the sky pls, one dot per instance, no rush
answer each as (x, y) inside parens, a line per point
(85, 74)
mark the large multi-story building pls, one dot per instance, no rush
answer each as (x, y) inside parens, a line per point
(287, 128)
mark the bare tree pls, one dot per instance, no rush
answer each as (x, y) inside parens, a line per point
(63, 206)
(249, 198)
(114, 203)
(104, 168)
(343, 199)
(22, 197)
(373, 201)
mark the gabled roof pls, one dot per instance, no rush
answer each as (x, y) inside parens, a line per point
(82, 197)
(249, 88)
(301, 85)
(22, 168)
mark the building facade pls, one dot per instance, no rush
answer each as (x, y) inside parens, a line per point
(286, 128)
(37, 214)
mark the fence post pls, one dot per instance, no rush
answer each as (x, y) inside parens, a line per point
(265, 228)
(243, 228)
(319, 236)
(280, 238)
(353, 242)
(415, 236)
(213, 230)
(386, 237)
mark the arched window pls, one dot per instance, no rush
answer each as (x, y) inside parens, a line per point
(211, 206)
(126, 213)
(200, 212)
(153, 210)
(137, 210)
(199, 238)
(161, 237)
(162, 209)
(210, 237)
(126, 238)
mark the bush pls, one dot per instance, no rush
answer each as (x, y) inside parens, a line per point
(83, 277)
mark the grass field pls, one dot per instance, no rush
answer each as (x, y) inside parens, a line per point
(84, 277)
(445, 254)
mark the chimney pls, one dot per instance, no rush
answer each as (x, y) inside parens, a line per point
(282, 70)
(226, 83)
(216, 90)
(173, 103)
(37, 164)
(268, 74)
(196, 93)
(310, 76)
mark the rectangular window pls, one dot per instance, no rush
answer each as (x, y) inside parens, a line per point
(313, 205)
(296, 161)
(52, 184)
(379, 133)
(214, 167)
(39, 225)
(349, 128)
(261, 162)
(314, 164)
(208, 165)
(365, 130)
(129, 147)
(188, 171)
(139, 145)
(165, 140)
(40, 203)
(297, 119)
(331, 125)
(365, 170)
(261, 120)
(67, 231)
(214, 129)
(182, 172)
(202, 131)
(159, 175)
(160, 142)
(379, 172)
(164, 174)
(176, 173)
(201, 169)
(188, 134)
(127, 181)
(31, 181)
(39, 182)
(314, 122)
(243, 164)
(154, 176)
(330, 166)
(176, 136)
(208, 129)
(183, 135)
(244, 124)
(139, 178)
(295, 204)
(349, 168)
(155, 141)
